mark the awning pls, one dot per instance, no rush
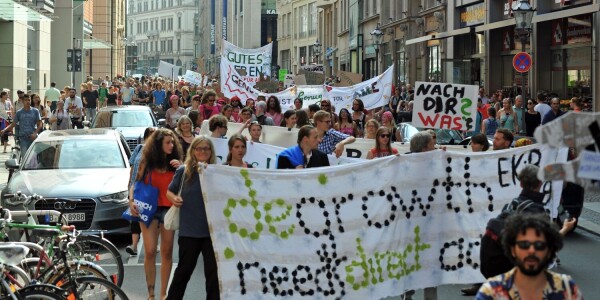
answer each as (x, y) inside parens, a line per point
(12, 11)
(91, 42)
(440, 35)
(419, 39)
(565, 13)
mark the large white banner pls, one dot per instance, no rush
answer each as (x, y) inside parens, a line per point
(366, 230)
(375, 92)
(253, 62)
(264, 156)
(445, 105)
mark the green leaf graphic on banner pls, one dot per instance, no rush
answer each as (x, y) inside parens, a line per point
(323, 179)
(267, 214)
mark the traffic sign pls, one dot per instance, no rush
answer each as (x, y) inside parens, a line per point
(69, 60)
(522, 62)
(77, 59)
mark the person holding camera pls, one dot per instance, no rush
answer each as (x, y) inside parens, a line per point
(60, 120)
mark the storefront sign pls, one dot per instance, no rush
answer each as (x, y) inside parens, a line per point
(579, 29)
(472, 15)
(557, 32)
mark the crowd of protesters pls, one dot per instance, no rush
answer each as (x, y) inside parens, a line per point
(168, 159)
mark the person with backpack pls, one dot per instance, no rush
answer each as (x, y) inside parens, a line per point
(530, 201)
(489, 125)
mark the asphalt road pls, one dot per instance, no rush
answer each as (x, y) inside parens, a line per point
(579, 258)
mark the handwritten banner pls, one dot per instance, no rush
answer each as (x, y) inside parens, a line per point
(366, 230)
(374, 92)
(254, 62)
(445, 105)
(318, 68)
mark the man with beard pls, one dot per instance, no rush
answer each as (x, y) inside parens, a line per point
(75, 107)
(494, 260)
(531, 242)
(503, 138)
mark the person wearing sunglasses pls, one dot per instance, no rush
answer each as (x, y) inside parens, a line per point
(531, 242)
(383, 145)
(495, 261)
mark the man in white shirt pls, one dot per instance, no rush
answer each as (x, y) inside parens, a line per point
(542, 107)
(75, 107)
(127, 93)
(52, 94)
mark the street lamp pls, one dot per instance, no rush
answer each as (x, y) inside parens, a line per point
(523, 26)
(377, 35)
(317, 50)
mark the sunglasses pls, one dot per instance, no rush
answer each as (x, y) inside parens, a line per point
(537, 245)
(202, 149)
(385, 136)
(529, 102)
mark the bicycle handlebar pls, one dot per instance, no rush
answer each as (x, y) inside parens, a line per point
(20, 198)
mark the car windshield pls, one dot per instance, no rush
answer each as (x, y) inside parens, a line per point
(443, 135)
(123, 118)
(74, 154)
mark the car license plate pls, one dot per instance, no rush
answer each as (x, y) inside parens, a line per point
(72, 217)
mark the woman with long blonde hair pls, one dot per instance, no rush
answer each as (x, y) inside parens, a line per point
(194, 236)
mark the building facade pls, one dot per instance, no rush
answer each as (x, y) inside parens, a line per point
(459, 41)
(162, 30)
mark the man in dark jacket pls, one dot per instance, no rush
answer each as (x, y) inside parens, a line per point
(305, 154)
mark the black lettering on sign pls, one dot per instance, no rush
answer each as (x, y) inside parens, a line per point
(353, 153)
(455, 259)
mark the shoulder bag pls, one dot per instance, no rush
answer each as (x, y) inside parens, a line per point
(172, 215)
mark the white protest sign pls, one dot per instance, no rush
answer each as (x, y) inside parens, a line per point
(289, 81)
(367, 230)
(253, 61)
(445, 105)
(589, 167)
(318, 68)
(374, 92)
(168, 70)
(193, 77)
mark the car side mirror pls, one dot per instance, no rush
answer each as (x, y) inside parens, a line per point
(11, 164)
(162, 122)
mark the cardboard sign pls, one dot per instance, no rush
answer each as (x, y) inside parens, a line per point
(312, 78)
(445, 105)
(288, 81)
(348, 78)
(300, 79)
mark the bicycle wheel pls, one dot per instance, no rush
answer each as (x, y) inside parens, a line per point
(101, 252)
(42, 292)
(59, 278)
(90, 288)
(16, 277)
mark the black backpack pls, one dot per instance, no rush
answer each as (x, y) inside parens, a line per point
(493, 260)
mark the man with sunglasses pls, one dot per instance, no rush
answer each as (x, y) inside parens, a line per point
(494, 261)
(531, 242)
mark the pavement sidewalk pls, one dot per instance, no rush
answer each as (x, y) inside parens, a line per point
(588, 221)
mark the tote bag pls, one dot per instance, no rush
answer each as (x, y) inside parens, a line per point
(145, 197)
(172, 216)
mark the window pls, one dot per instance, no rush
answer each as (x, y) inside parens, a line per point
(366, 5)
(297, 22)
(400, 67)
(312, 19)
(170, 45)
(170, 24)
(151, 46)
(170, 3)
(303, 21)
(163, 24)
(163, 46)
(145, 26)
(434, 70)
(145, 6)
(139, 7)
(152, 5)
(164, 3)
(139, 27)
(178, 22)
(178, 45)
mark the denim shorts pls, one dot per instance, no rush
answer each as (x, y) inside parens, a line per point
(160, 213)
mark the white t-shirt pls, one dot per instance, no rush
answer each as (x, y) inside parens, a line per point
(127, 93)
(72, 105)
(542, 108)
